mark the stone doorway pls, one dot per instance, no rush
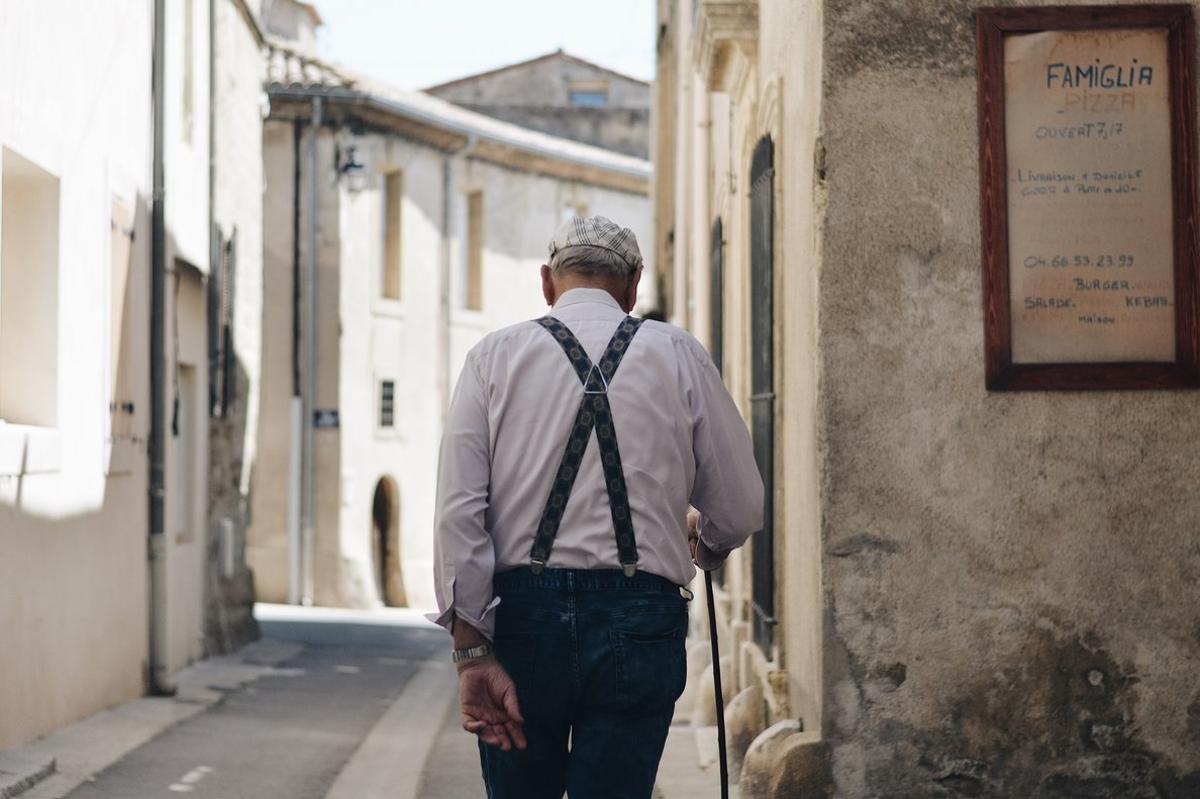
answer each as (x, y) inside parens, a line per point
(385, 543)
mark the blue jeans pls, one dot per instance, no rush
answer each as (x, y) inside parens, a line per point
(598, 660)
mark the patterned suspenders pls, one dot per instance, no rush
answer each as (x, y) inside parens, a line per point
(594, 411)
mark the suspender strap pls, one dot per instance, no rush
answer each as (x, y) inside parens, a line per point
(594, 412)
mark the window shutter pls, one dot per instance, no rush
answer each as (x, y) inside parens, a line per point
(762, 381)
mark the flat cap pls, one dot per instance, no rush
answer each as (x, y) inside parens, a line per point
(597, 231)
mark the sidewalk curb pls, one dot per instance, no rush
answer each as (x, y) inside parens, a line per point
(390, 761)
(73, 754)
(19, 773)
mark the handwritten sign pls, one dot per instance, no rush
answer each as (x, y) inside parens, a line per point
(1087, 181)
(1091, 263)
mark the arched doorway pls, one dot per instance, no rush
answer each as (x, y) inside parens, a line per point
(385, 543)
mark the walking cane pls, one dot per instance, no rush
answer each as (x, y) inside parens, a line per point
(716, 664)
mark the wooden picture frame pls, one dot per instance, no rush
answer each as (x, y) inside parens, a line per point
(995, 27)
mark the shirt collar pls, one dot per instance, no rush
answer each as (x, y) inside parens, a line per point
(576, 296)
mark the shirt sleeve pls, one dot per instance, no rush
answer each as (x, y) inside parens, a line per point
(464, 556)
(728, 489)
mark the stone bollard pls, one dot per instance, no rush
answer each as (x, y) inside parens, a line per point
(801, 768)
(699, 656)
(745, 719)
(704, 710)
(757, 766)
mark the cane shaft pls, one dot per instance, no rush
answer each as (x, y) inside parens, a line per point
(720, 697)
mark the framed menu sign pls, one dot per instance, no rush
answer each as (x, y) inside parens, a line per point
(1088, 197)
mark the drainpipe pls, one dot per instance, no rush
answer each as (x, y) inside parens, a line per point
(156, 678)
(310, 363)
(295, 578)
(443, 360)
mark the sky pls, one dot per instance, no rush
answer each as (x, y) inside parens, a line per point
(414, 44)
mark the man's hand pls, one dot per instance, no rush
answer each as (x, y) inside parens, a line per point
(693, 525)
(489, 704)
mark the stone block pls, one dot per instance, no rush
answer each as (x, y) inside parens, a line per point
(698, 659)
(758, 767)
(801, 768)
(745, 719)
(704, 710)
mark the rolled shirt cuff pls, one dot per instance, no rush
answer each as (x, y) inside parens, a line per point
(485, 622)
(709, 559)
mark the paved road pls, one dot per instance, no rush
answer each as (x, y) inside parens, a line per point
(354, 705)
(288, 734)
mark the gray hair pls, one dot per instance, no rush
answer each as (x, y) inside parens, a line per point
(591, 261)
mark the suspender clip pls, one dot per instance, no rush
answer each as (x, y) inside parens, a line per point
(537, 566)
(686, 594)
(587, 384)
(630, 569)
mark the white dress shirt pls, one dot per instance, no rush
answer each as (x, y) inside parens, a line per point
(681, 438)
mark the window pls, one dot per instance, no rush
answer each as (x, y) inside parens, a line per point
(387, 403)
(474, 298)
(762, 381)
(393, 198)
(28, 293)
(588, 93)
(716, 335)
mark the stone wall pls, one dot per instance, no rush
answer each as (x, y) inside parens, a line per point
(1011, 579)
(238, 211)
(536, 95)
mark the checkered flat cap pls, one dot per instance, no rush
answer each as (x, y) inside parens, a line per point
(597, 231)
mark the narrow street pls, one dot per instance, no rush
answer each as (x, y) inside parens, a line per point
(342, 705)
(291, 732)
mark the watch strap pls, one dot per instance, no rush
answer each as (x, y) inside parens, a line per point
(481, 651)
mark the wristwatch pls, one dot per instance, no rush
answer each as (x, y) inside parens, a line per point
(481, 651)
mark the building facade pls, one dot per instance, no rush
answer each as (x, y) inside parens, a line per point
(106, 206)
(562, 95)
(430, 224)
(957, 592)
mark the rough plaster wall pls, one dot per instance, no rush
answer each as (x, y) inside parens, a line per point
(1011, 579)
(537, 96)
(544, 83)
(266, 535)
(238, 205)
(626, 130)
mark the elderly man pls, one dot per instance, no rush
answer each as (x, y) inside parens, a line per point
(573, 447)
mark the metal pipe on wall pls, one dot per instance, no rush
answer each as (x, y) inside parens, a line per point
(156, 678)
(296, 430)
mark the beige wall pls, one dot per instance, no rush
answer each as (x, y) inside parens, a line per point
(266, 536)
(789, 109)
(72, 519)
(397, 340)
(186, 470)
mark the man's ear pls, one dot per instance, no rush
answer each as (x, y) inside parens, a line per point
(548, 285)
(631, 291)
